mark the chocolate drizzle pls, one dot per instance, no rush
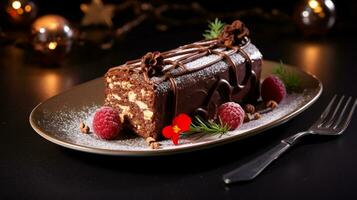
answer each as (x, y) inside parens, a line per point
(175, 91)
(223, 87)
(166, 66)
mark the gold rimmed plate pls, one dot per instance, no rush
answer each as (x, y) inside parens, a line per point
(58, 118)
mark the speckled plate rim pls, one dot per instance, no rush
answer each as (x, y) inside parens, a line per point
(158, 152)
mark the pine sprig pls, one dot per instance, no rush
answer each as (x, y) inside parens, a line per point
(214, 29)
(210, 127)
(291, 81)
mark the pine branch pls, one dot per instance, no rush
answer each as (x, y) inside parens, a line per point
(214, 29)
(291, 81)
(210, 127)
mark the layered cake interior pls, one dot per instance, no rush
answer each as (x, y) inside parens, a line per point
(134, 96)
(193, 79)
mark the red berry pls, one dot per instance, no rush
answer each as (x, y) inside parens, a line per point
(106, 123)
(273, 89)
(231, 114)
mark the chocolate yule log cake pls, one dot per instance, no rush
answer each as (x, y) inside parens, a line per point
(193, 79)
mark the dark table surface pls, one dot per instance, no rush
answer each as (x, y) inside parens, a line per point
(31, 167)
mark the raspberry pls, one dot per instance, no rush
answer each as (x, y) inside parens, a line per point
(273, 89)
(106, 123)
(231, 114)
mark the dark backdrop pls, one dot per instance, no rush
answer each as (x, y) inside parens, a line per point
(346, 10)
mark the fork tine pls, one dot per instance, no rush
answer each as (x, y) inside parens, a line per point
(329, 122)
(342, 113)
(326, 111)
(328, 108)
(349, 117)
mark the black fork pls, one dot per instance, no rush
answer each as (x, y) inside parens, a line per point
(333, 121)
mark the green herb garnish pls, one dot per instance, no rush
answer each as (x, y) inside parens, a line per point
(214, 29)
(291, 81)
(210, 127)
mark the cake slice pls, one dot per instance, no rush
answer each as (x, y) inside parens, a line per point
(193, 79)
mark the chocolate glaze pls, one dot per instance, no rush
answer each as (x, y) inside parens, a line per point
(198, 77)
(240, 82)
(193, 52)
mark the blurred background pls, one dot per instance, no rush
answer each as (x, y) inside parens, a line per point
(53, 45)
(178, 13)
(49, 46)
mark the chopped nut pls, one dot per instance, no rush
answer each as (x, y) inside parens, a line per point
(116, 96)
(154, 145)
(143, 92)
(131, 96)
(84, 128)
(125, 85)
(81, 125)
(150, 140)
(148, 114)
(257, 116)
(249, 108)
(125, 111)
(272, 104)
(109, 80)
(247, 117)
(141, 105)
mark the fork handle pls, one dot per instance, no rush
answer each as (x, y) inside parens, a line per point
(296, 138)
(253, 168)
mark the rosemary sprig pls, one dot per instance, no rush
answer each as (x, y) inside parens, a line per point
(210, 127)
(214, 29)
(291, 81)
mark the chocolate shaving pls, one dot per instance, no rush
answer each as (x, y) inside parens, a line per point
(234, 34)
(152, 63)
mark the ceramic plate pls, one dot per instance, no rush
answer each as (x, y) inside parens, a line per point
(58, 119)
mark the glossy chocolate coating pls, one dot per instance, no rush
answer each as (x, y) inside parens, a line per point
(198, 77)
(202, 91)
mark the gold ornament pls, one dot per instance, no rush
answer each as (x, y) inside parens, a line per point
(315, 17)
(52, 37)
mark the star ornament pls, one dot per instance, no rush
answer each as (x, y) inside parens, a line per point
(96, 13)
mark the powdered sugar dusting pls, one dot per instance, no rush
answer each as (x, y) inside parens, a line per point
(63, 125)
